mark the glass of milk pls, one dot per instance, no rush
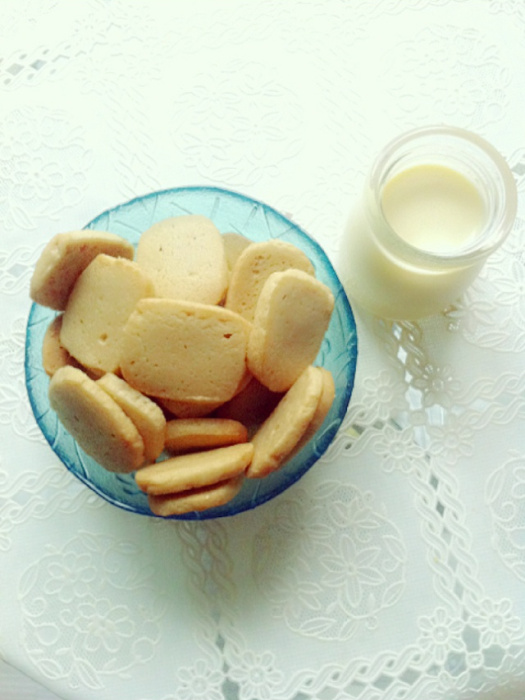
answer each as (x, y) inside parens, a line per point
(438, 201)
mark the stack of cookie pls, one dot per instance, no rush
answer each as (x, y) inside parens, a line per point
(188, 361)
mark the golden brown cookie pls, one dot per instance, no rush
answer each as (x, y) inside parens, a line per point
(192, 471)
(291, 318)
(282, 430)
(323, 407)
(189, 409)
(99, 305)
(251, 406)
(95, 421)
(184, 257)
(54, 354)
(254, 265)
(184, 350)
(234, 244)
(196, 499)
(65, 257)
(145, 413)
(187, 434)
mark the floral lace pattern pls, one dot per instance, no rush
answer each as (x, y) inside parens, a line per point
(334, 579)
(110, 627)
(394, 569)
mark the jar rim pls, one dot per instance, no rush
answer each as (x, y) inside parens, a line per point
(483, 244)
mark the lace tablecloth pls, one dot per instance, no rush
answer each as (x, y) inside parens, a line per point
(396, 567)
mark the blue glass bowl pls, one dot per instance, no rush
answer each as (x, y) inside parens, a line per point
(230, 212)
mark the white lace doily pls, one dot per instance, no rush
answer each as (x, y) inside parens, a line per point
(395, 569)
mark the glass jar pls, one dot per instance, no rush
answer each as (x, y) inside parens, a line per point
(438, 201)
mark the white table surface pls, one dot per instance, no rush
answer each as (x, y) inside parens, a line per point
(396, 567)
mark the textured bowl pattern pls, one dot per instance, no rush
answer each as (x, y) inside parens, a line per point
(230, 212)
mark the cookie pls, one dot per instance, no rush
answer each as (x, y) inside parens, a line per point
(254, 265)
(99, 305)
(184, 256)
(95, 421)
(145, 414)
(251, 406)
(323, 407)
(202, 408)
(186, 434)
(281, 431)
(182, 350)
(54, 354)
(196, 499)
(189, 409)
(234, 244)
(291, 318)
(192, 471)
(65, 257)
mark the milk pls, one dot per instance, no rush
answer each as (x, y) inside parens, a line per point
(437, 203)
(433, 207)
(386, 285)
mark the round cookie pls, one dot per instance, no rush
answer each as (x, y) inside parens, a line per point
(253, 267)
(251, 406)
(186, 434)
(54, 354)
(183, 350)
(284, 427)
(65, 257)
(103, 297)
(234, 244)
(145, 413)
(291, 318)
(184, 257)
(196, 499)
(323, 407)
(95, 421)
(191, 471)
(189, 409)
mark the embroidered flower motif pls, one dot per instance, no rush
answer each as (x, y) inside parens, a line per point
(451, 440)
(511, 289)
(475, 660)
(384, 394)
(437, 384)
(296, 524)
(256, 675)
(104, 625)
(37, 178)
(441, 634)
(71, 577)
(508, 7)
(12, 343)
(398, 449)
(200, 681)
(45, 184)
(214, 104)
(339, 584)
(355, 514)
(350, 568)
(496, 623)
(518, 487)
(452, 49)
